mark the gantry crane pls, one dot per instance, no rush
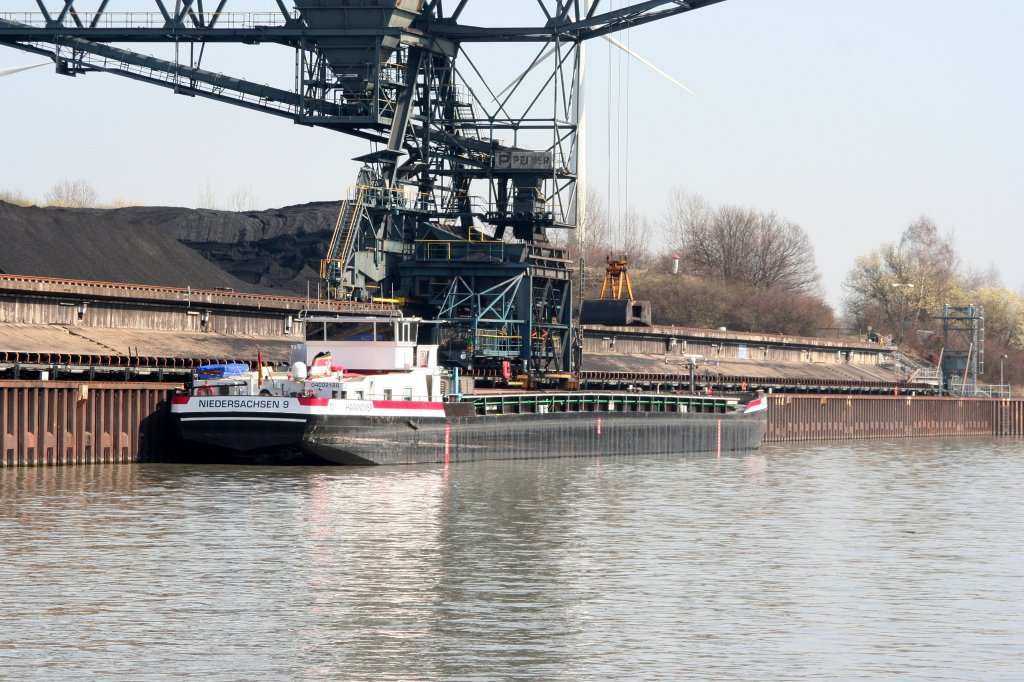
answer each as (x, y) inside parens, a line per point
(452, 206)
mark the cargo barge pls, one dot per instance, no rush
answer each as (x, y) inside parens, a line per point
(392, 403)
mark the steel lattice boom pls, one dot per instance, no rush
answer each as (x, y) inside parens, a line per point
(463, 182)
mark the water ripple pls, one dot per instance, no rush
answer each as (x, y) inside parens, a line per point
(838, 561)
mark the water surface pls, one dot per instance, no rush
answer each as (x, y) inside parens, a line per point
(870, 560)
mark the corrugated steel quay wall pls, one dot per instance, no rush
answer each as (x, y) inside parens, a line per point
(54, 422)
(58, 422)
(836, 417)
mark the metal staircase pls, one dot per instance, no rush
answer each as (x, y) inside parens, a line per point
(914, 371)
(335, 269)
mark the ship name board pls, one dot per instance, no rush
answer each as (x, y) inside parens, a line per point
(245, 403)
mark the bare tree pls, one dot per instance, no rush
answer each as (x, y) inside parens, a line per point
(120, 202)
(686, 212)
(740, 245)
(783, 256)
(207, 198)
(15, 197)
(71, 194)
(898, 284)
(633, 239)
(987, 278)
(1004, 315)
(592, 238)
(243, 200)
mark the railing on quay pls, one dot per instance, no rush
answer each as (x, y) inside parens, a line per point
(672, 381)
(971, 389)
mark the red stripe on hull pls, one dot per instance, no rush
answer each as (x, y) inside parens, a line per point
(408, 405)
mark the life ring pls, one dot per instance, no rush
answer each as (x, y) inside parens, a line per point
(204, 390)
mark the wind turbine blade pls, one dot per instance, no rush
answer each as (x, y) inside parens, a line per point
(15, 69)
(543, 57)
(540, 58)
(646, 63)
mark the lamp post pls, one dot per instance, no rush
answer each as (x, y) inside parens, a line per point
(1001, 358)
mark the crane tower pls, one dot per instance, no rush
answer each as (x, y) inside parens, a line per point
(452, 205)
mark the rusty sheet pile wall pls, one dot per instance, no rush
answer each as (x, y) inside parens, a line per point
(1009, 417)
(833, 417)
(53, 422)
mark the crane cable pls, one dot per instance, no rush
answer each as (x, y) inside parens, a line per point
(619, 117)
(608, 124)
(626, 162)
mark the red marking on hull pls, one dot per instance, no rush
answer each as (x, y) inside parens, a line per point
(179, 400)
(447, 443)
(407, 405)
(321, 402)
(718, 438)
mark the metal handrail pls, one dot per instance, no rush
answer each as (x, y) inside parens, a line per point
(141, 19)
(957, 386)
(458, 249)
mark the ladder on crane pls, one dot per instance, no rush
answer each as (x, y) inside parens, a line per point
(343, 239)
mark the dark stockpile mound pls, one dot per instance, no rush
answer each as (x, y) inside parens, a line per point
(258, 251)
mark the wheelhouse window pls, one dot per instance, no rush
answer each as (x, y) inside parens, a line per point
(358, 331)
(385, 330)
(408, 331)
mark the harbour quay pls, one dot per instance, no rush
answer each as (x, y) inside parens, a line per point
(45, 422)
(87, 370)
(63, 422)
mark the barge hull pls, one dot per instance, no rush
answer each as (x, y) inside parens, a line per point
(394, 440)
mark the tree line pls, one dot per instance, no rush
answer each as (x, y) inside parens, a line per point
(69, 193)
(900, 288)
(751, 270)
(739, 268)
(65, 194)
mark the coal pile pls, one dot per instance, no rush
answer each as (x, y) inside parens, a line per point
(274, 251)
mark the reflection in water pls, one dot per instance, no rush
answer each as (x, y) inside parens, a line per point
(870, 559)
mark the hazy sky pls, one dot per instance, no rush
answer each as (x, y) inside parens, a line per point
(851, 119)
